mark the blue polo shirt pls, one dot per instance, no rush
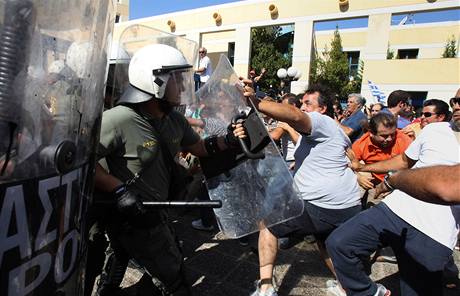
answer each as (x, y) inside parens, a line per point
(355, 122)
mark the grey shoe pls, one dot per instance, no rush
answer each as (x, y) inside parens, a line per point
(269, 292)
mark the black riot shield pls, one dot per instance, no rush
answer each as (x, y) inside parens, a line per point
(259, 191)
(52, 74)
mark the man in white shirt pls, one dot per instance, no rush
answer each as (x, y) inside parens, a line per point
(421, 234)
(204, 67)
(328, 187)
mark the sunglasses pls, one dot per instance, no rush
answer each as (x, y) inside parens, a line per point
(428, 114)
(201, 52)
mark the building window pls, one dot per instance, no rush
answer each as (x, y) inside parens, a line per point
(353, 62)
(407, 53)
(117, 18)
(231, 52)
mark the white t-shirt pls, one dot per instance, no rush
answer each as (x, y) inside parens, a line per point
(324, 178)
(436, 145)
(288, 147)
(205, 62)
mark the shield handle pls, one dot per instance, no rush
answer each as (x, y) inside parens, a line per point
(239, 118)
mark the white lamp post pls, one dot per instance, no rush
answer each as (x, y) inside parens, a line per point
(288, 75)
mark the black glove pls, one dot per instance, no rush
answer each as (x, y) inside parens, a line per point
(128, 203)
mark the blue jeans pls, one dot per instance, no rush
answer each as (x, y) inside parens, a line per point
(421, 259)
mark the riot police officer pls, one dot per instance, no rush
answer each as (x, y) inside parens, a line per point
(140, 139)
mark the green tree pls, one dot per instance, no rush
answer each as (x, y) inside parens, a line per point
(332, 69)
(390, 53)
(264, 54)
(450, 49)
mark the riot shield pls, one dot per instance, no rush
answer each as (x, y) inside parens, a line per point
(259, 192)
(52, 71)
(136, 37)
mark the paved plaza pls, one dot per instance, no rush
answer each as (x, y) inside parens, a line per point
(217, 266)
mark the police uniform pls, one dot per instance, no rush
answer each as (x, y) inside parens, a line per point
(130, 143)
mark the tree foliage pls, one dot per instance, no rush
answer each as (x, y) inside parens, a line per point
(332, 70)
(264, 54)
(450, 49)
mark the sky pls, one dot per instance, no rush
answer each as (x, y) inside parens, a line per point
(146, 8)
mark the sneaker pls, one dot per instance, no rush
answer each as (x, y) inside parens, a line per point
(269, 292)
(335, 291)
(382, 291)
(198, 225)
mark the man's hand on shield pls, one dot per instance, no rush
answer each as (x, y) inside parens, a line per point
(249, 93)
(235, 131)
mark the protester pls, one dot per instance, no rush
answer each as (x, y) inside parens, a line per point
(286, 134)
(338, 111)
(398, 102)
(433, 111)
(328, 187)
(256, 78)
(383, 141)
(421, 234)
(376, 108)
(353, 124)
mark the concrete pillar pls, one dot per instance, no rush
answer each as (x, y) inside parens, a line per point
(301, 54)
(242, 50)
(378, 35)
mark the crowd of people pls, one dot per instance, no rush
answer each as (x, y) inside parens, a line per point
(344, 163)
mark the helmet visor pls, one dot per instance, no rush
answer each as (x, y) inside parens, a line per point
(179, 89)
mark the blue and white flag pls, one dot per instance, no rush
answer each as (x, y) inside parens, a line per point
(376, 92)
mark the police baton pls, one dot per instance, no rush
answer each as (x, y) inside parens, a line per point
(171, 204)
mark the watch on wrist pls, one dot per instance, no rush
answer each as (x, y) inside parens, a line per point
(387, 184)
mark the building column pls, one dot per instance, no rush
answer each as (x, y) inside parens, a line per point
(242, 51)
(301, 54)
(378, 36)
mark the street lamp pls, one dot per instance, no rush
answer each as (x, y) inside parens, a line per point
(287, 76)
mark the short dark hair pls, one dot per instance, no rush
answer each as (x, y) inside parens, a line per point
(291, 99)
(454, 100)
(396, 97)
(440, 107)
(388, 120)
(324, 98)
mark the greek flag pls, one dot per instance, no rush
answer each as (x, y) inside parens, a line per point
(376, 92)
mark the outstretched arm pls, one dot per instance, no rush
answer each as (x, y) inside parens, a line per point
(398, 162)
(293, 116)
(437, 184)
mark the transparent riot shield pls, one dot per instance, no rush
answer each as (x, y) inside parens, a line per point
(257, 193)
(52, 71)
(136, 37)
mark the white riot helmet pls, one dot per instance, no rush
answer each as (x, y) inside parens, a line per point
(151, 68)
(77, 57)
